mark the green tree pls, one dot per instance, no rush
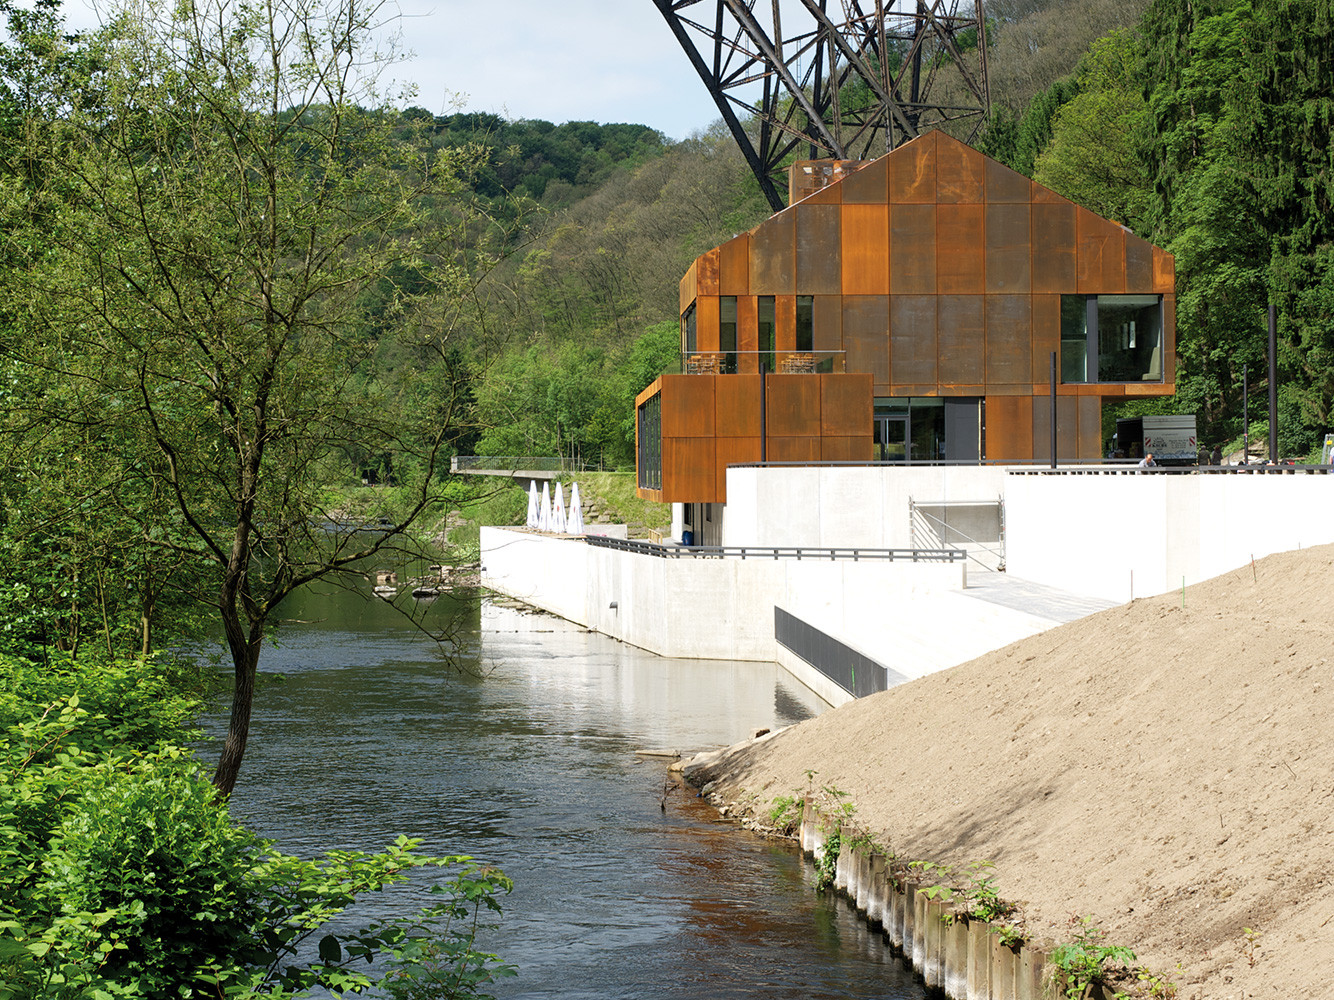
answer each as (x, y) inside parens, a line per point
(1094, 153)
(190, 273)
(1240, 111)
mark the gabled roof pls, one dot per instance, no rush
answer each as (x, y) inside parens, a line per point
(991, 230)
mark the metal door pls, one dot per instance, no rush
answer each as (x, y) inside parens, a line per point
(891, 437)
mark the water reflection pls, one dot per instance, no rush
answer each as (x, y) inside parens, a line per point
(527, 759)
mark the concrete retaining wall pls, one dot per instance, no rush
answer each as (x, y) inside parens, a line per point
(1084, 533)
(1089, 534)
(703, 608)
(962, 957)
(841, 506)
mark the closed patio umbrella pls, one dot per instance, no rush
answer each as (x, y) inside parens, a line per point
(576, 523)
(532, 504)
(544, 514)
(558, 512)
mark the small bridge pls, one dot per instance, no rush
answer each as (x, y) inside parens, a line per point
(539, 468)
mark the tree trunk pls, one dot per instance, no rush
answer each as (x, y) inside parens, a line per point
(245, 660)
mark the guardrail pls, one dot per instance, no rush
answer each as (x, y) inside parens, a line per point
(856, 673)
(1180, 470)
(1071, 467)
(774, 362)
(776, 552)
(517, 463)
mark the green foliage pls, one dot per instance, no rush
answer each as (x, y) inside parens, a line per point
(826, 862)
(121, 873)
(538, 158)
(577, 402)
(1087, 959)
(615, 493)
(1242, 187)
(1018, 139)
(281, 261)
(785, 812)
(437, 959)
(1008, 934)
(978, 896)
(180, 885)
(1093, 157)
(1204, 129)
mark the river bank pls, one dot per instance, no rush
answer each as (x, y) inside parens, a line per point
(1163, 767)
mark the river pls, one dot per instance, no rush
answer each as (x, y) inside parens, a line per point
(527, 759)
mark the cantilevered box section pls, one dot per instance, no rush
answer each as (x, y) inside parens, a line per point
(939, 278)
(692, 427)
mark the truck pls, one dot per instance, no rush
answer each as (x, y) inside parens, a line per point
(1170, 438)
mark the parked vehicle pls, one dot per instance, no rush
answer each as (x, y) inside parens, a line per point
(1170, 438)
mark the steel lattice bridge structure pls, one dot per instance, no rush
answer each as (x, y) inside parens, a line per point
(842, 79)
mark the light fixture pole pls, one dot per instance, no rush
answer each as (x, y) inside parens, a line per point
(1245, 420)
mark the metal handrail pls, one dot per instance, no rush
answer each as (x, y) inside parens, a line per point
(782, 362)
(1181, 470)
(517, 463)
(1069, 467)
(915, 511)
(774, 552)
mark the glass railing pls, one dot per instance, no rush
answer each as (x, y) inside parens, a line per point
(773, 362)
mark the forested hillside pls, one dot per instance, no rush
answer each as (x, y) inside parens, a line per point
(1204, 127)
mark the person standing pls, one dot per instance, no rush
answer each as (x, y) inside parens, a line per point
(1147, 462)
(1216, 456)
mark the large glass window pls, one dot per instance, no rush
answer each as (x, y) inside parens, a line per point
(648, 460)
(1111, 338)
(1074, 339)
(805, 323)
(1130, 336)
(727, 331)
(766, 323)
(688, 329)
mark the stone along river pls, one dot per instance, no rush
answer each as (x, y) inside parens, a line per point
(526, 759)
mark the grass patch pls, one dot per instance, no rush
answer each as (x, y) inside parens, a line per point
(615, 493)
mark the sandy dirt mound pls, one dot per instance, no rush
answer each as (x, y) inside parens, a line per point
(1167, 770)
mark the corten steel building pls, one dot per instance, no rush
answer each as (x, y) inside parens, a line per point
(907, 310)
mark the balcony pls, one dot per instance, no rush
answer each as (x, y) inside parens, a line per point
(773, 362)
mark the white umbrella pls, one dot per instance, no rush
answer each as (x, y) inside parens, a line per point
(544, 515)
(576, 525)
(558, 515)
(532, 504)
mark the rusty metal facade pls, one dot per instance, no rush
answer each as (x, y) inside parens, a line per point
(842, 79)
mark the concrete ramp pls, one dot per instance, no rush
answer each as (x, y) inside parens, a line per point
(1037, 599)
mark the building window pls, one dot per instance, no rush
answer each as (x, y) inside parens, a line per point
(766, 323)
(1074, 338)
(806, 323)
(648, 458)
(1111, 338)
(688, 329)
(727, 331)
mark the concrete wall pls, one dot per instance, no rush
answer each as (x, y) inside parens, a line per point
(845, 506)
(1088, 534)
(962, 958)
(710, 608)
(1081, 533)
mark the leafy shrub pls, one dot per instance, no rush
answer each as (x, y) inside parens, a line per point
(1087, 959)
(184, 883)
(121, 874)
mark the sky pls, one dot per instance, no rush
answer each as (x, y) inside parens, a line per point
(559, 60)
